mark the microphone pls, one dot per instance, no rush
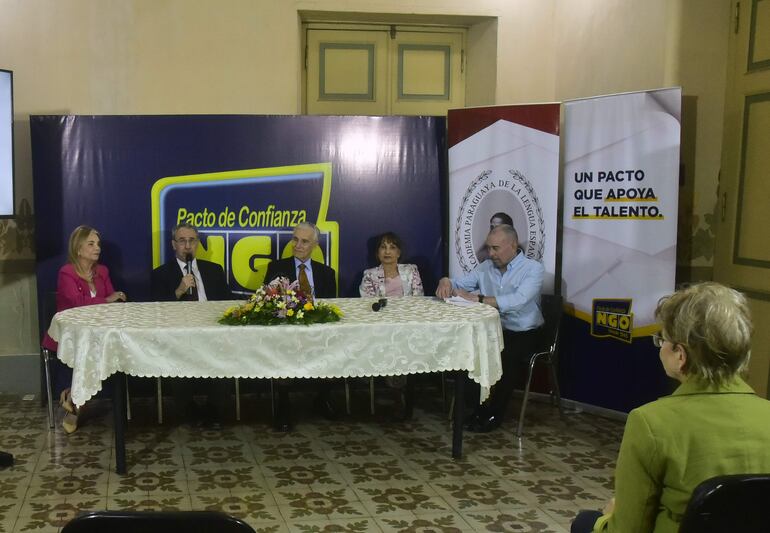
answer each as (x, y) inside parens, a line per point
(382, 302)
(189, 261)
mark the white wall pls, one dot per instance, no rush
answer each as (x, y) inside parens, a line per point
(243, 56)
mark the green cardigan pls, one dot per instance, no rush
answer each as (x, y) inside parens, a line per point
(673, 444)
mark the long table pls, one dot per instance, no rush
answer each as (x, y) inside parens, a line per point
(183, 339)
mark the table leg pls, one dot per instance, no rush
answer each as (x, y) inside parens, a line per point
(457, 424)
(119, 412)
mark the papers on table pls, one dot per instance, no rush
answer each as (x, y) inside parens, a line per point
(459, 300)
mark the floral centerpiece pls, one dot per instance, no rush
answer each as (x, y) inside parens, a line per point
(280, 302)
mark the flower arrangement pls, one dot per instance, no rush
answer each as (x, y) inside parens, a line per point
(280, 302)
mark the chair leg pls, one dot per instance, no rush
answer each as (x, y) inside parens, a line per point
(272, 397)
(160, 402)
(128, 402)
(444, 401)
(237, 400)
(520, 426)
(371, 395)
(48, 387)
(555, 384)
(347, 397)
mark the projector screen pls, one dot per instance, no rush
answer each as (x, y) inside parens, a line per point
(6, 143)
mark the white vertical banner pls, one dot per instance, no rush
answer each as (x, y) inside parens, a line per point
(621, 177)
(503, 160)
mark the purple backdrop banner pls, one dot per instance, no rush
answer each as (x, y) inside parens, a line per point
(245, 181)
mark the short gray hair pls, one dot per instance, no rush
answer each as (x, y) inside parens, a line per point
(310, 225)
(508, 230)
(181, 225)
(713, 323)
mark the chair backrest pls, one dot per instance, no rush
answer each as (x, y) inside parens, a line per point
(47, 311)
(729, 503)
(156, 522)
(551, 306)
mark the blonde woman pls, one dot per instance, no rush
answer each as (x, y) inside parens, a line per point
(82, 281)
(713, 424)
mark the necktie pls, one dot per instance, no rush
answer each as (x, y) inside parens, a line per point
(190, 296)
(304, 284)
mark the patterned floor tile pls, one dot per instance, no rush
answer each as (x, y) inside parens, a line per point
(252, 506)
(55, 485)
(562, 489)
(51, 515)
(466, 495)
(150, 502)
(444, 467)
(286, 451)
(444, 522)
(139, 483)
(80, 459)
(359, 474)
(315, 503)
(353, 525)
(301, 473)
(413, 498)
(362, 472)
(516, 521)
(222, 479)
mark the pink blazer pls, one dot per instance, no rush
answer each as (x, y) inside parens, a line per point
(73, 291)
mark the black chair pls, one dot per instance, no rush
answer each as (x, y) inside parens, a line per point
(47, 356)
(551, 306)
(729, 503)
(47, 313)
(156, 522)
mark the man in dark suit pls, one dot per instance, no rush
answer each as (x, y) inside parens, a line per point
(172, 282)
(320, 281)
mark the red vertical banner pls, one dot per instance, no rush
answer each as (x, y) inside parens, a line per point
(503, 160)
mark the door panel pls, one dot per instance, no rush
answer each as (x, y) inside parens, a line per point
(384, 71)
(429, 73)
(347, 72)
(742, 249)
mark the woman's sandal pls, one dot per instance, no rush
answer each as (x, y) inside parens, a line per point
(65, 400)
(70, 422)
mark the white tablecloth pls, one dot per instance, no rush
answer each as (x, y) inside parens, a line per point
(174, 339)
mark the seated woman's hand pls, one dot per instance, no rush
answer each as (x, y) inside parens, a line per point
(117, 296)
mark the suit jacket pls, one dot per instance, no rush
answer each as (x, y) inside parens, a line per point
(324, 278)
(373, 282)
(673, 444)
(166, 278)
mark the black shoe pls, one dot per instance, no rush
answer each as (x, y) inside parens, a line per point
(323, 407)
(472, 422)
(487, 424)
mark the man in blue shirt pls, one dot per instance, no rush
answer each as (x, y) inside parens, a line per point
(511, 283)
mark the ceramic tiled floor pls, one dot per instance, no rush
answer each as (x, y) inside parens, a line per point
(359, 474)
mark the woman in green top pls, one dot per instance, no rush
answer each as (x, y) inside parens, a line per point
(713, 424)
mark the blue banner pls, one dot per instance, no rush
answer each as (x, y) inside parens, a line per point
(245, 181)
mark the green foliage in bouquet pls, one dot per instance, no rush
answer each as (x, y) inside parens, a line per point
(280, 302)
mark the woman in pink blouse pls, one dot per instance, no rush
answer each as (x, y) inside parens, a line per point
(82, 281)
(391, 278)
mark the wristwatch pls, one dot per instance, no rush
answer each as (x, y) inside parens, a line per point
(481, 298)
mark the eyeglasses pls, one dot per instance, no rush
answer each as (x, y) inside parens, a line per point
(189, 241)
(657, 340)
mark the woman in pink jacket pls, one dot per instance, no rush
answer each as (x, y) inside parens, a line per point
(82, 281)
